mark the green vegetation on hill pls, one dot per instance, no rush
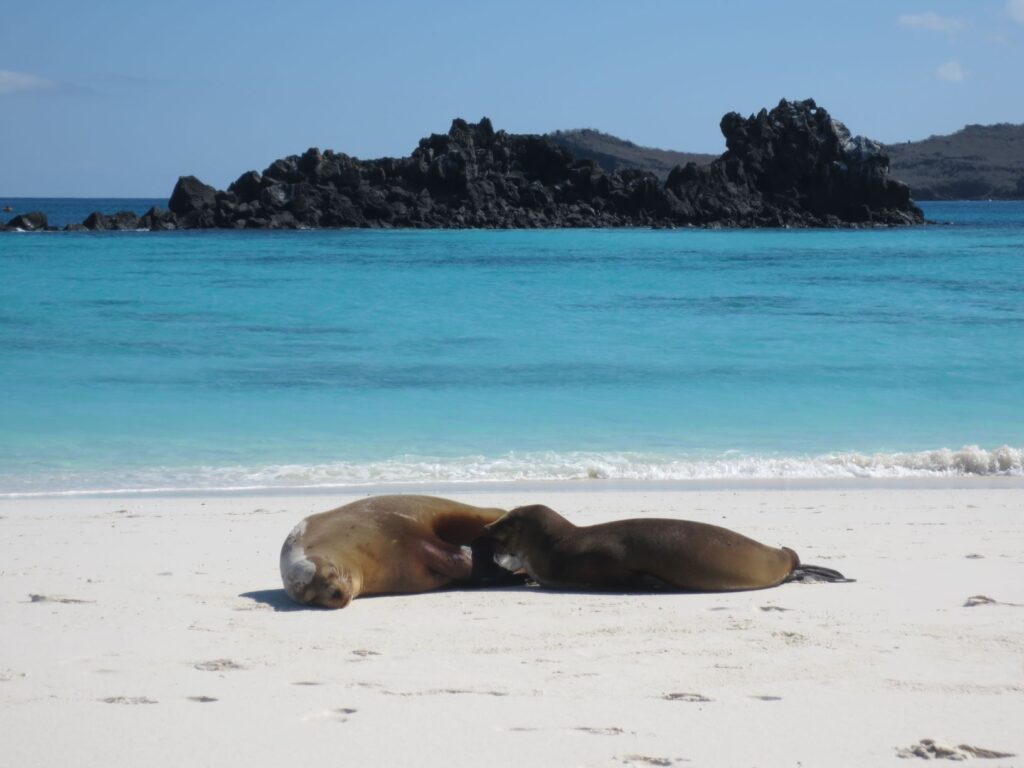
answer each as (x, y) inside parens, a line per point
(978, 162)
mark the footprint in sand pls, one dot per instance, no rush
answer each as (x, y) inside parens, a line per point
(339, 715)
(648, 760)
(696, 698)
(929, 749)
(202, 699)
(128, 700)
(975, 600)
(600, 731)
(32, 598)
(447, 691)
(767, 698)
(218, 665)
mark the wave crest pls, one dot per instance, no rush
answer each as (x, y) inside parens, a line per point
(970, 460)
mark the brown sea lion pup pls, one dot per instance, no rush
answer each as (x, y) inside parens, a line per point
(638, 554)
(386, 544)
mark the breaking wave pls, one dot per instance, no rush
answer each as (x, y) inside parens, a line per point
(535, 466)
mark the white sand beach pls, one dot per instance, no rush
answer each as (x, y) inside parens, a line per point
(144, 631)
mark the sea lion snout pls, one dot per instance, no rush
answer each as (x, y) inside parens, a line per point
(314, 580)
(333, 588)
(501, 539)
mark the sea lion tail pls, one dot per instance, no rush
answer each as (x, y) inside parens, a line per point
(814, 574)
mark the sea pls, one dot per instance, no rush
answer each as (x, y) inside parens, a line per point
(135, 362)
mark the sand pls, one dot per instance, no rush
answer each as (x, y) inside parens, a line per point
(146, 631)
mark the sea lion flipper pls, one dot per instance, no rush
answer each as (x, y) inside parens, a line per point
(447, 560)
(812, 574)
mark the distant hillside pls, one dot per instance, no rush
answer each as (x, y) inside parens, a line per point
(976, 163)
(615, 154)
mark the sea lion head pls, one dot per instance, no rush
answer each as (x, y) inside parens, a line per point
(326, 584)
(331, 586)
(523, 530)
(313, 579)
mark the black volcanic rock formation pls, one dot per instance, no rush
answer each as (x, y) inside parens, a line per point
(29, 222)
(978, 162)
(792, 166)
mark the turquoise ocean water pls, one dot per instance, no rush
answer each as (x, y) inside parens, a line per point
(323, 358)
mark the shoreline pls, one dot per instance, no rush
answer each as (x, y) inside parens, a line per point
(581, 485)
(146, 616)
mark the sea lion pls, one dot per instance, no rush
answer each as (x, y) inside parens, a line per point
(639, 554)
(386, 544)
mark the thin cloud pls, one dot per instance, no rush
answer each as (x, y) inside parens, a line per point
(121, 80)
(951, 72)
(933, 22)
(1015, 10)
(26, 84)
(23, 82)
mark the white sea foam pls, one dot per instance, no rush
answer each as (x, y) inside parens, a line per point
(539, 466)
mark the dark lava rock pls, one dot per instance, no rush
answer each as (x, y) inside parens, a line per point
(247, 186)
(156, 218)
(120, 221)
(793, 166)
(190, 196)
(96, 220)
(29, 222)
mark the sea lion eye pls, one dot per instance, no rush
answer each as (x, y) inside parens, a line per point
(336, 594)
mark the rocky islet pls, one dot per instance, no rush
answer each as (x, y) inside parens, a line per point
(792, 166)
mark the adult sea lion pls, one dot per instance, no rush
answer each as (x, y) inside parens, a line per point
(651, 553)
(386, 544)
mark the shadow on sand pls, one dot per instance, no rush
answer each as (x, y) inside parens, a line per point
(277, 599)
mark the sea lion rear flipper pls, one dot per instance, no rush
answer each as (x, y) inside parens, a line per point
(813, 574)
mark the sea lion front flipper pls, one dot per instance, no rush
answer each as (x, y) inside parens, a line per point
(814, 574)
(447, 561)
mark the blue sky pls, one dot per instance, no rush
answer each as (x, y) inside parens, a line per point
(119, 99)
